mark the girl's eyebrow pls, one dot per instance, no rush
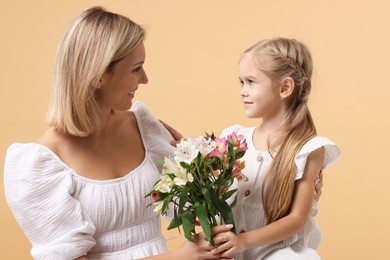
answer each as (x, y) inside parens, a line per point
(247, 77)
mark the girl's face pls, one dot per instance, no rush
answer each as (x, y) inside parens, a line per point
(118, 86)
(259, 94)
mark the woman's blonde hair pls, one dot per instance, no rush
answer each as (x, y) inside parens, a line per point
(280, 58)
(93, 42)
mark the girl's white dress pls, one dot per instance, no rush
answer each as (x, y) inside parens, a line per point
(249, 213)
(65, 215)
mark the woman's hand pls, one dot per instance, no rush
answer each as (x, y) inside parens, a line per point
(318, 184)
(175, 134)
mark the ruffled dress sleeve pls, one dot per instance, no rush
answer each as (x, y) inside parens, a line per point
(155, 134)
(332, 153)
(38, 190)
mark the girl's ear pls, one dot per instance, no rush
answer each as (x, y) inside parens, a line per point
(286, 88)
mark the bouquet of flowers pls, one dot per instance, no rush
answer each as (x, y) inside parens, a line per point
(196, 181)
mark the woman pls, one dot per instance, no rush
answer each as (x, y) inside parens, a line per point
(78, 191)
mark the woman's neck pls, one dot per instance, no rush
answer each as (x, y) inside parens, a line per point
(104, 126)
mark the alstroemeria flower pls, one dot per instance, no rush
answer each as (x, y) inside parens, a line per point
(186, 151)
(165, 184)
(158, 207)
(237, 171)
(172, 167)
(205, 145)
(155, 195)
(220, 149)
(236, 140)
(182, 177)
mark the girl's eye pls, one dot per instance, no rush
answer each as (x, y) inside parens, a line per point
(251, 82)
(241, 83)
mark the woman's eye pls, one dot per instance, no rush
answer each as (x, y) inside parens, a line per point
(137, 69)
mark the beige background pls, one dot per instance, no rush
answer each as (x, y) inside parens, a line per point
(192, 55)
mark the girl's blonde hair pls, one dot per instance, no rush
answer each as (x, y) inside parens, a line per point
(280, 58)
(93, 42)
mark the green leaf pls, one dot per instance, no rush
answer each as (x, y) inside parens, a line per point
(223, 208)
(231, 149)
(176, 221)
(185, 165)
(240, 154)
(188, 225)
(233, 203)
(201, 212)
(183, 199)
(149, 194)
(206, 193)
(228, 194)
(166, 202)
(222, 181)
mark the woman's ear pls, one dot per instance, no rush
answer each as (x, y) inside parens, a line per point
(286, 88)
(98, 83)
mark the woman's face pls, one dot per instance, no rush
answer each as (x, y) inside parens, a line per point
(118, 86)
(258, 93)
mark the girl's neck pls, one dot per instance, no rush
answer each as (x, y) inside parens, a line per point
(268, 130)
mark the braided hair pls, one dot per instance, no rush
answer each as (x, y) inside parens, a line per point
(280, 58)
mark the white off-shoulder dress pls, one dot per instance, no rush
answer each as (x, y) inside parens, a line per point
(65, 215)
(249, 212)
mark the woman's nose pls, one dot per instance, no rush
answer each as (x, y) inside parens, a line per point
(144, 79)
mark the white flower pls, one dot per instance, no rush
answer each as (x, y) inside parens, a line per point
(165, 184)
(186, 151)
(205, 146)
(172, 167)
(182, 177)
(158, 206)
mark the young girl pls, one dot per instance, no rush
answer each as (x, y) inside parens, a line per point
(275, 209)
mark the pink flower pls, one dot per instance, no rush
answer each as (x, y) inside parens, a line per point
(237, 171)
(197, 223)
(155, 195)
(220, 149)
(236, 140)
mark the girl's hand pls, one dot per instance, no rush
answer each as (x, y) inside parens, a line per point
(201, 248)
(318, 184)
(227, 244)
(175, 134)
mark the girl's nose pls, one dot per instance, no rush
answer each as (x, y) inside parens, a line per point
(243, 92)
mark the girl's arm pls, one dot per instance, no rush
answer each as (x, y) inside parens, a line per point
(294, 222)
(175, 134)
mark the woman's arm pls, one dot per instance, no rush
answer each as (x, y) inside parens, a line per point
(200, 249)
(283, 228)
